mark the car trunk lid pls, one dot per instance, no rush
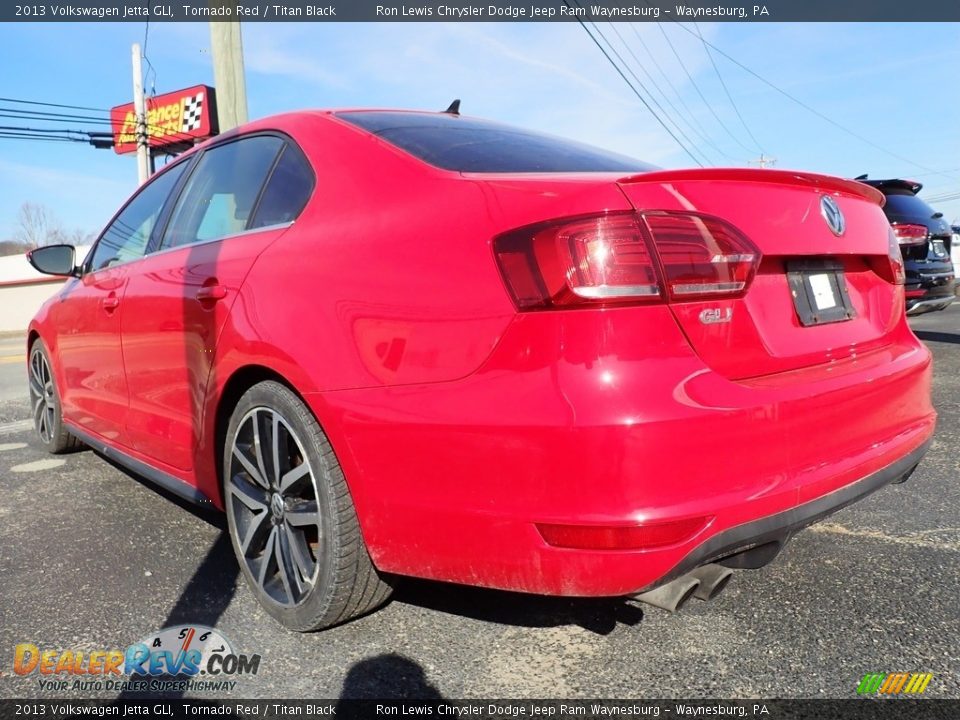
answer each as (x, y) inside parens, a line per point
(822, 292)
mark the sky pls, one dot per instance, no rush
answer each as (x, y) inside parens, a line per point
(893, 85)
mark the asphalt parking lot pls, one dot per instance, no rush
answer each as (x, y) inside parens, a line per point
(92, 558)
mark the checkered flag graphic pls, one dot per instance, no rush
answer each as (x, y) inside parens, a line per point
(192, 112)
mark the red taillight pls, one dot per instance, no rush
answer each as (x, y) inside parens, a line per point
(898, 274)
(702, 256)
(629, 537)
(607, 258)
(601, 259)
(890, 268)
(625, 258)
(910, 234)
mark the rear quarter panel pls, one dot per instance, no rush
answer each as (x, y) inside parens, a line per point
(387, 278)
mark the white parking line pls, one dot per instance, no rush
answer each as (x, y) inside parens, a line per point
(38, 465)
(15, 426)
(914, 540)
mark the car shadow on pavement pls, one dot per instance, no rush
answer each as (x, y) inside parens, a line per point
(210, 589)
(387, 676)
(208, 514)
(597, 615)
(934, 336)
(205, 597)
(212, 585)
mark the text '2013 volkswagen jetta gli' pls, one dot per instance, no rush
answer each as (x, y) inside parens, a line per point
(400, 343)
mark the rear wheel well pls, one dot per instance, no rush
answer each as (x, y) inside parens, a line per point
(242, 380)
(32, 338)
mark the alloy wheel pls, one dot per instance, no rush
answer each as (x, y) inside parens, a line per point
(272, 495)
(43, 396)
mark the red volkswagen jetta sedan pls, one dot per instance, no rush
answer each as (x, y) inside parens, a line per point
(401, 343)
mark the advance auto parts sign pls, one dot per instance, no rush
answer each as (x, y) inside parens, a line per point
(178, 117)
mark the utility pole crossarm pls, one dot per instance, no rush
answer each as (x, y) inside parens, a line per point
(763, 161)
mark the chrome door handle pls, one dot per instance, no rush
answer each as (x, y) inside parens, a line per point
(211, 292)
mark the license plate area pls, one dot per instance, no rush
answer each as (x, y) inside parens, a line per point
(819, 291)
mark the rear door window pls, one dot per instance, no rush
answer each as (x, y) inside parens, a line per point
(221, 194)
(287, 190)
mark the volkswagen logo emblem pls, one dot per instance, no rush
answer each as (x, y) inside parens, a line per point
(832, 215)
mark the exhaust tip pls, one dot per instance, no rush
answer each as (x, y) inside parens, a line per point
(672, 596)
(689, 594)
(712, 579)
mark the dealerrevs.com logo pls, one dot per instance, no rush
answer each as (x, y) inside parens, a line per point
(184, 657)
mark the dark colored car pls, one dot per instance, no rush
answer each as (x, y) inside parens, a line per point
(925, 238)
(955, 248)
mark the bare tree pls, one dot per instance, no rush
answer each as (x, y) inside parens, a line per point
(36, 226)
(9, 246)
(78, 237)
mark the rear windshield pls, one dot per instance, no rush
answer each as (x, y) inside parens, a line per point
(907, 206)
(463, 144)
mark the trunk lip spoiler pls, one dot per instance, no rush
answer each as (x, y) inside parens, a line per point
(824, 183)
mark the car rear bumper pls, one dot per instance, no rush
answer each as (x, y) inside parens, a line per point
(769, 534)
(922, 305)
(929, 287)
(565, 425)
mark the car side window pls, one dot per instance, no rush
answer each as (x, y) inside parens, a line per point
(222, 190)
(287, 190)
(127, 236)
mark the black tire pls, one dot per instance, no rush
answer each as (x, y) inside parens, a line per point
(268, 533)
(45, 403)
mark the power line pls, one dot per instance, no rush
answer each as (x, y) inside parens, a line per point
(632, 88)
(666, 98)
(697, 88)
(62, 117)
(52, 117)
(640, 82)
(40, 138)
(950, 195)
(18, 132)
(689, 116)
(817, 112)
(49, 131)
(937, 172)
(56, 105)
(13, 116)
(33, 115)
(150, 69)
(176, 135)
(727, 91)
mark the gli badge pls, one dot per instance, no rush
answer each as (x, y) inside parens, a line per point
(712, 316)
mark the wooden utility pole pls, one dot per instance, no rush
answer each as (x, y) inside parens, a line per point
(226, 46)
